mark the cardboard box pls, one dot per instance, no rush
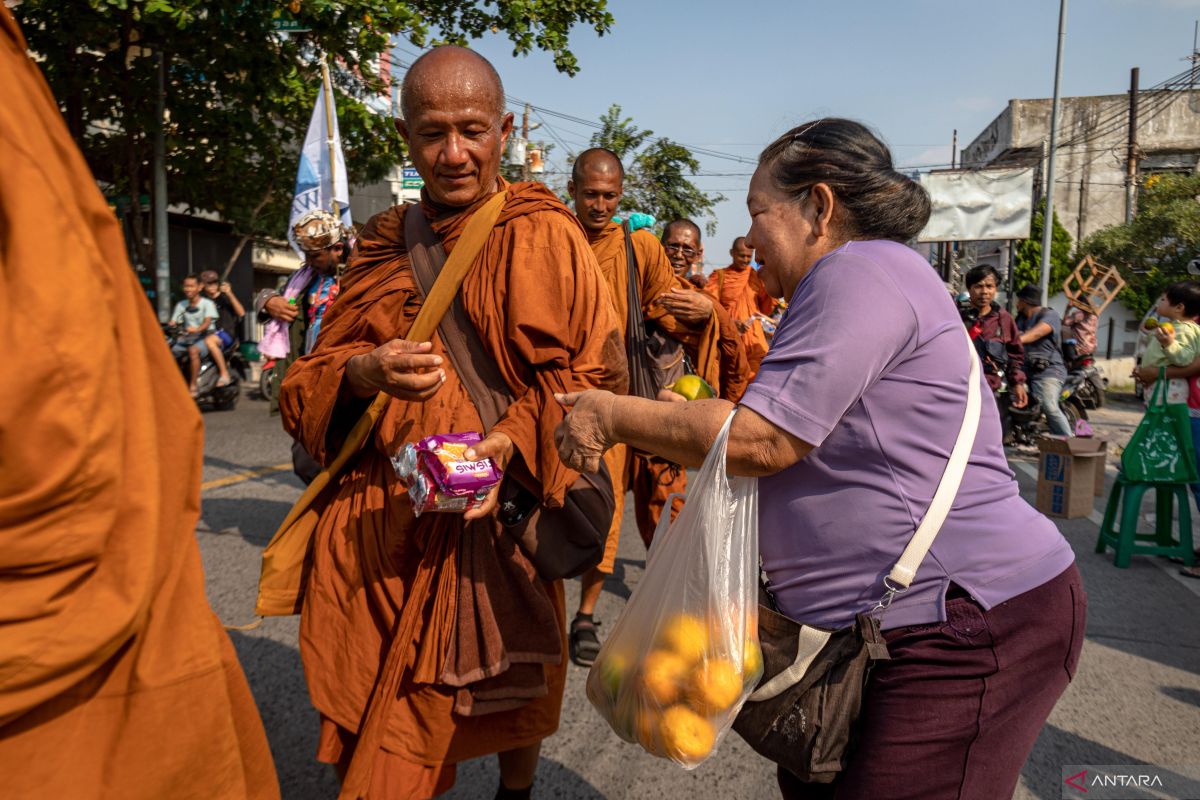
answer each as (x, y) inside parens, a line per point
(1069, 471)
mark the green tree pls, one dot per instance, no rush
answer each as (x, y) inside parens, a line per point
(239, 94)
(656, 171)
(1027, 259)
(1154, 249)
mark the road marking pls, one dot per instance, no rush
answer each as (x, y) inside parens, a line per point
(229, 480)
(1097, 519)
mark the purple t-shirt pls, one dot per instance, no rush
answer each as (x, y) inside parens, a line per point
(870, 367)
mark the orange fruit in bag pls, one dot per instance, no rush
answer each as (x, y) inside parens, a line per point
(752, 660)
(715, 686)
(686, 735)
(613, 671)
(664, 675)
(685, 635)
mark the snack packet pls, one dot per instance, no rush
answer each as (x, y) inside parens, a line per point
(440, 478)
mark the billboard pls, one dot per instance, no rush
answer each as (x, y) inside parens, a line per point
(978, 205)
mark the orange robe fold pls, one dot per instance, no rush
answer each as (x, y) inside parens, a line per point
(116, 679)
(735, 367)
(652, 479)
(368, 546)
(742, 294)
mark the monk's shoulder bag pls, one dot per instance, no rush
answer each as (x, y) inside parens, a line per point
(803, 713)
(560, 542)
(655, 360)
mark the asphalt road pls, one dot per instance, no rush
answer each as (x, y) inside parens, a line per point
(1135, 699)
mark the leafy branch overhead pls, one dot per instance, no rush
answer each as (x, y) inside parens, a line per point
(656, 172)
(1154, 249)
(239, 93)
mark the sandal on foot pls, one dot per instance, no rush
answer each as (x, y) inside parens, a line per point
(223, 382)
(584, 644)
(1190, 572)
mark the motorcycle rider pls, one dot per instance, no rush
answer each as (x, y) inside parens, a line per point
(195, 315)
(229, 314)
(294, 315)
(1039, 326)
(996, 339)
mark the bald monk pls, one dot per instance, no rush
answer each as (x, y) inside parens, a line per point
(682, 242)
(741, 292)
(596, 186)
(485, 671)
(116, 679)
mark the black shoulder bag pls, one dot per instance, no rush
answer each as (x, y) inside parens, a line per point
(655, 360)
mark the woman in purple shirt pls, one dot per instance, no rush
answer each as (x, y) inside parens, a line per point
(849, 425)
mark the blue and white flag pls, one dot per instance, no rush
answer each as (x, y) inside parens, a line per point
(317, 182)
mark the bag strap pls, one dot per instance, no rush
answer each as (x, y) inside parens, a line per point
(1160, 389)
(635, 328)
(436, 302)
(902, 574)
(475, 367)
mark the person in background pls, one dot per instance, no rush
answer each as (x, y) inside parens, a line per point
(293, 317)
(685, 250)
(740, 290)
(1078, 333)
(687, 316)
(193, 320)
(229, 315)
(116, 677)
(1039, 326)
(996, 339)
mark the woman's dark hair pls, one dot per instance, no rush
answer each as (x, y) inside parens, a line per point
(979, 274)
(1186, 293)
(880, 203)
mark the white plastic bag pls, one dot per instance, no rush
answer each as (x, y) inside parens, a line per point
(684, 654)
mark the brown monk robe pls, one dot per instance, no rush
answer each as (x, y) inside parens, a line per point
(682, 242)
(486, 671)
(116, 679)
(741, 292)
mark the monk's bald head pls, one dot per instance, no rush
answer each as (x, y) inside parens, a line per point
(598, 159)
(742, 253)
(450, 70)
(682, 226)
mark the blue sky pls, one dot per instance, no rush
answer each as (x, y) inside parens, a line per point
(732, 76)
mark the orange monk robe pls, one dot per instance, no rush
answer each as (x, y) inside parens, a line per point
(367, 544)
(652, 480)
(116, 679)
(735, 367)
(742, 294)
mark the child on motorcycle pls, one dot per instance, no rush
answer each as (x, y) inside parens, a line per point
(195, 315)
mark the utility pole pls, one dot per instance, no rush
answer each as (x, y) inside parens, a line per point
(1048, 217)
(1131, 159)
(162, 269)
(525, 142)
(1082, 218)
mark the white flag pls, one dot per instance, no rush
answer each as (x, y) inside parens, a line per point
(317, 183)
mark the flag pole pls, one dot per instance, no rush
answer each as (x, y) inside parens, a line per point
(329, 133)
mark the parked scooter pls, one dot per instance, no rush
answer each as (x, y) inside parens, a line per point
(266, 379)
(207, 391)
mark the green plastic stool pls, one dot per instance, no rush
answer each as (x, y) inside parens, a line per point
(1127, 496)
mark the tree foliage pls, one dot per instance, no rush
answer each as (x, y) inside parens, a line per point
(1027, 260)
(656, 172)
(239, 94)
(1154, 249)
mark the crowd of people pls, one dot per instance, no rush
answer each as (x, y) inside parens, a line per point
(427, 641)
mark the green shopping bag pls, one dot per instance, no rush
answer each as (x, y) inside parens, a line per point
(1161, 448)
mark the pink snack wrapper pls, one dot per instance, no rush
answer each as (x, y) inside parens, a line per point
(438, 476)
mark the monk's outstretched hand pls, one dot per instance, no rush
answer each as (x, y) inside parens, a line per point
(586, 433)
(687, 305)
(403, 369)
(499, 448)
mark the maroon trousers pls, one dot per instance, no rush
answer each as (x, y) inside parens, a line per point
(956, 711)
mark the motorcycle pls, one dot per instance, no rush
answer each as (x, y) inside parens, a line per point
(1028, 424)
(222, 398)
(1085, 382)
(266, 379)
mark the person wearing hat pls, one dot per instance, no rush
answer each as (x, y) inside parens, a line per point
(229, 314)
(293, 316)
(1039, 326)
